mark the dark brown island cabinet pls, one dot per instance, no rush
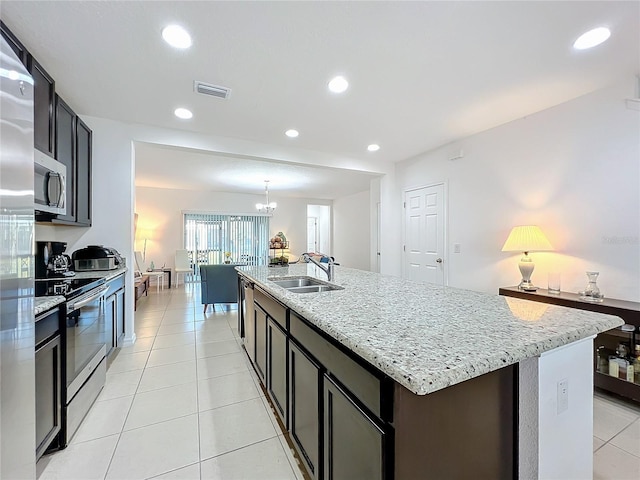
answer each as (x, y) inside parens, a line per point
(345, 419)
(616, 352)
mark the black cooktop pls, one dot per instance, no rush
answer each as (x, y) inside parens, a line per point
(68, 287)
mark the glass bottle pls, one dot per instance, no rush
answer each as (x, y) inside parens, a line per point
(592, 293)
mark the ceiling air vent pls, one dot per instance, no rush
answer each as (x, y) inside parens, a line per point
(212, 90)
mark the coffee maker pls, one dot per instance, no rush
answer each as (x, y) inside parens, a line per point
(51, 260)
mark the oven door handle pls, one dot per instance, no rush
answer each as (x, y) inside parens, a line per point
(87, 300)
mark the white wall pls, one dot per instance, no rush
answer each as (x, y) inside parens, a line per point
(160, 214)
(352, 233)
(574, 170)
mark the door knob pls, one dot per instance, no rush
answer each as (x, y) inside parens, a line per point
(438, 260)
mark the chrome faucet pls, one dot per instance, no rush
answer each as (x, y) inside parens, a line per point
(328, 269)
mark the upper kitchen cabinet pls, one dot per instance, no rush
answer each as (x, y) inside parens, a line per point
(83, 173)
(43, 107)
(73, 149)
(14, 43)
(65, 153)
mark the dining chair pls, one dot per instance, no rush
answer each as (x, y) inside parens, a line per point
(182, 265)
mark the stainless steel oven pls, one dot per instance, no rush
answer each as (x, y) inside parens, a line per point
(85, 340)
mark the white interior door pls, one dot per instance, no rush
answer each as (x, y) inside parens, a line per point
(424, 234)
(312, 234)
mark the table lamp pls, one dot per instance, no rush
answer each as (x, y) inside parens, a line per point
(526, 238)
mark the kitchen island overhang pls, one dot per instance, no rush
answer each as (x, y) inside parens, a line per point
(428, 338)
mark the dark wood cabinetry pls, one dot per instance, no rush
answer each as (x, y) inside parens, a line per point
(48, 380)
(114, 313)
(626, 310)
(277, 368)
(353, 443)
(260, 360)
(43, 107)
(14, 43)
(305, 380)
(73, 149)
(84, 138)
(337, 431)
(65, 152)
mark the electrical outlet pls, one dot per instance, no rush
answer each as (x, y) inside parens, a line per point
(563, 395)
(456, 248)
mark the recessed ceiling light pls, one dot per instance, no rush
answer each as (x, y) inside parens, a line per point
(373, 147)
(592, 38)
(338, 84)
(176, 36)
(183, 113)
(292, 133)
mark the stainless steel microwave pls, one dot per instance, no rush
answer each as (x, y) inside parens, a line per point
(50, 181)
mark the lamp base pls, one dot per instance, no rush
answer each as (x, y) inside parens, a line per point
(526, 267)
(527, 286)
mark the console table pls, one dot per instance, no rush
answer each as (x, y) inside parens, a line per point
(628, 311)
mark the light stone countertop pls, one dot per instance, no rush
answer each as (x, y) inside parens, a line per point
(424, 336)
(42, 304)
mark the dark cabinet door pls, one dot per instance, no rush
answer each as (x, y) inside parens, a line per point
(14, 43)
(65, 153)
(305, 379)
(110, 320)
(119, 312)
(48, 395)
(353, 442)
(261, 343)
(277, 368)
(43, 108)
(249, 323)
(83, 173)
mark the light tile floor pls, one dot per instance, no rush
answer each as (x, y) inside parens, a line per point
(184, 403)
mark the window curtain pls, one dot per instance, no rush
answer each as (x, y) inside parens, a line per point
(210, 237)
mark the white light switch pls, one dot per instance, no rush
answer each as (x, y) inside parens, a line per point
(456, 248)
(563, 395)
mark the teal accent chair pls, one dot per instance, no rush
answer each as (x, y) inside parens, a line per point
(219, 284)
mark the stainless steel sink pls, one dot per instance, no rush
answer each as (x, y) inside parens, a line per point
(314, 289)
(296, 282)
(304, 285)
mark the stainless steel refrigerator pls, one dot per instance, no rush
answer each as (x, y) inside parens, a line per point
(17, 334)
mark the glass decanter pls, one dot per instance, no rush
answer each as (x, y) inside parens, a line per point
(592, 293)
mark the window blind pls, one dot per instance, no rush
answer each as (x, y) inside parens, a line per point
(209, 236)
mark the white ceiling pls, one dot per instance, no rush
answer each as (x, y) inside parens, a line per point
(421, 74)
(162, 166)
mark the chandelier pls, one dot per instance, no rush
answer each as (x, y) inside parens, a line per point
(267, 207)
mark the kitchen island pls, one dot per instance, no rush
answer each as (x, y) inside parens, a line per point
(422, 381)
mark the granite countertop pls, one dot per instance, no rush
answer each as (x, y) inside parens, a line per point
(428, 337)
(42, 304)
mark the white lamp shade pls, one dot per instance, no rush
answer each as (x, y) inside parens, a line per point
(526, 238)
